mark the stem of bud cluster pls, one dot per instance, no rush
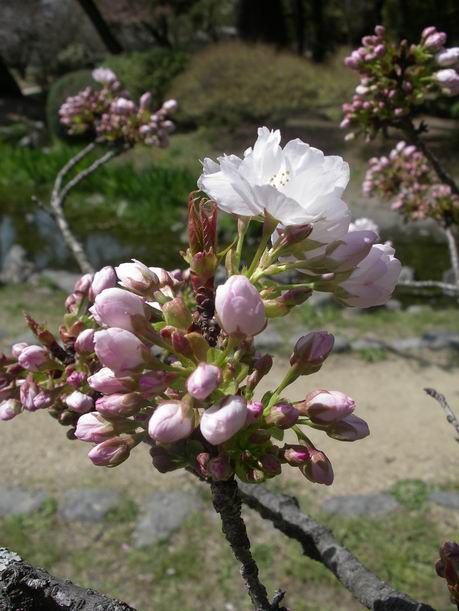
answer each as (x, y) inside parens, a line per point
(268, 227)
(242, 227)
(289, 378)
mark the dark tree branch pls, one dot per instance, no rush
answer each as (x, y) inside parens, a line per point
(111, 43)
(319, 544)
(450, 415)
(26, 588)
(227, 502)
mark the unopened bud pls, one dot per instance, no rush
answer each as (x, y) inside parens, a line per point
(282, 415)
(177, 314)
(310, 352)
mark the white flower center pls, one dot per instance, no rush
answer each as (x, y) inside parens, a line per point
(280, 179)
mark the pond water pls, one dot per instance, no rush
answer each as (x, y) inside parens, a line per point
(156, 244)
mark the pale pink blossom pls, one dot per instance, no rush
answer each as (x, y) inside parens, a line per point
(170, 422)
(239, 307)
(115, 307)
(325, 406)
(203, 381)
(224, 419)
(120, 350)
(79, 402)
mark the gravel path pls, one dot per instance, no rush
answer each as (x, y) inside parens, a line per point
(410, 437)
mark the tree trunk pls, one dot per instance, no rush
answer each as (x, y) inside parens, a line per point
(8, 86)
(262, 21)
(95, 16)
(319, 48)
(299, 26)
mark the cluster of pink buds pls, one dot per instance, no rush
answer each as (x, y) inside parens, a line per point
(395, 78)
(171, 360)
(406, 178)
(112, 116)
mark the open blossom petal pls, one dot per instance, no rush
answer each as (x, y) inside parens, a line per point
(296, 185)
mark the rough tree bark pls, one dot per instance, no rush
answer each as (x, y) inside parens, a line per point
(26, 588)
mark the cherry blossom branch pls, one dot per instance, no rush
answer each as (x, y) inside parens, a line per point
(22, 586)
(319, 544)
(60, 193)
(227, 503)
(446, 288)
(443, 403)
(453, 254)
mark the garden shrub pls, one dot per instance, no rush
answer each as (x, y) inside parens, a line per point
(232, 82)
(65, 86)
(151, 70)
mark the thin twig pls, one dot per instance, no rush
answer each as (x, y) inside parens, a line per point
(412, 135)
(446, 288)
(60, 193)
(452, 246)
(227, 502)
(319, 544)
(443, 403)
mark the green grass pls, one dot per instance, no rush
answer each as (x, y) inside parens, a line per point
(195, 568)
(380, 322)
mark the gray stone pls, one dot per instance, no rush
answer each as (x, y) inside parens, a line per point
(342, 344)
(406, 274)
(16, 268)
(393, 305)
(161, 514)
(367, 344)
(417, 309)
(408, 343)
(60, 279)
(319, 300)
(439, 340)
(268, 339)
(18, 501)
(87, 505)
(446, 499)
(361, 504)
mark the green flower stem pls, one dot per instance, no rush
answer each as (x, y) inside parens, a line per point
(242, 225)
(289, 378)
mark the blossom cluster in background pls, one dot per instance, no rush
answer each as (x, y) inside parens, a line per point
(171, 360)
(112, 116)
(406, 178)
(395, 78)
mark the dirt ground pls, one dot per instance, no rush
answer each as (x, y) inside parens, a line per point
(410, 437)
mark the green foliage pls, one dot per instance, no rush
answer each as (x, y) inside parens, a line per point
(411, 493)
(151, 70)
(68, 85)
(231, 83)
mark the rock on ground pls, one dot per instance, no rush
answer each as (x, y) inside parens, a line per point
(87, 505)
(18, 501)
(361, 505)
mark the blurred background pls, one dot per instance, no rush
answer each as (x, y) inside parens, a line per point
(232, 65)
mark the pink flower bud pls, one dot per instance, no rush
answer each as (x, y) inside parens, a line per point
(203, 381)
(122, 106)
(120, 404)
(154, 382)
(79, 402)
(270, 465)
(27, 393)
(177, 314)
(118, 308)
(254, 411)
(145, 101)
(83, 284)
(111, 452)
(164, 277)
(325, 406)
(119, 350)
(170, 422)
(219, 468)
(224, 419)
(295, 455)
(448, 79)
(170, 106)
(436, 41)
(33, 358)
(103, 279)
(346, 253)
(261, 367)
(9, 409)
(84, 343)
(428, 31)
(448, 57)
(318, 469)
(43, 400)
(282, 415)
(92, 427)
(16, 349)
(106, 382)
(311, 350)
(350, 428)
(137, 277)
(239, 307)
(104, 76)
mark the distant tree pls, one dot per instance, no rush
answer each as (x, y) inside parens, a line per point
(263, 21)
(8, 85)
